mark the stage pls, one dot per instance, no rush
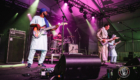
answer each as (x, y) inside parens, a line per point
(20, 72)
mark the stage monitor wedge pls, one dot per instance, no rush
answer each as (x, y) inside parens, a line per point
(78, 67)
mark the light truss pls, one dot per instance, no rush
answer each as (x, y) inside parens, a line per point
(115, 9)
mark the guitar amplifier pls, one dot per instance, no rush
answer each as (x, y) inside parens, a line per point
(16, 46)
(72, 48)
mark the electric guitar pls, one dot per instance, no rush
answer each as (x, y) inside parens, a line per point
(107, 40)
(37, 33)
(113, 46)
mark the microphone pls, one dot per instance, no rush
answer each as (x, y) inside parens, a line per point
(120, 22)
(76, 29)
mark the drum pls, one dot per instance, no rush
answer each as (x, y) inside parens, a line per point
(54, 44)
(67, 40)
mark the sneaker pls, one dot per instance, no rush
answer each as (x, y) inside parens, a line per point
(115, 63)
(29, 65)
(112, 62)
(41, 65)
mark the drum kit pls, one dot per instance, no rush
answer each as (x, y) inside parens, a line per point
(56, 44)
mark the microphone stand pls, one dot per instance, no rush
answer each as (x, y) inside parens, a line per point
(79, 39)
(64, 17)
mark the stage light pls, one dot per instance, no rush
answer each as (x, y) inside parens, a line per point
(59, 23)
(15, 15)
(70, 8)
(93, 15)
(81, 9)
(85, 15)
(66, 4)
(65, 1)
(28, 14)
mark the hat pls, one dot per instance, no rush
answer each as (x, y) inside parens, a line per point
(42, 10)
(113, 35)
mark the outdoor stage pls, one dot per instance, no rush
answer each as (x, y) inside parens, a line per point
(17, 71)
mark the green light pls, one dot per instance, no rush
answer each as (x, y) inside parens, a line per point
(90, 27)
(22, 23)
(9, 66)
(15, 15)
(33, 7)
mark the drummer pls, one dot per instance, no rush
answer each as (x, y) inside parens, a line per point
(58, 37)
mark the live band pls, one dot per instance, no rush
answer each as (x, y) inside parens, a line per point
(40, 40)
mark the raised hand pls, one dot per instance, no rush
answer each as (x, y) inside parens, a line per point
(38, 26)
(116, 38)
(56, 26)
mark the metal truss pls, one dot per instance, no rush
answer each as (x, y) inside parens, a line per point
(17, 3)
(109, 10)
(122, 7)
(79, 4)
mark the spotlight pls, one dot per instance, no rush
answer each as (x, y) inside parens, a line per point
(85, 15)
(120, 22)
(66, 4)
(17, 13)
(70, 8)
(65, 1)
(93, 15)
(81, 9)
(28, 14)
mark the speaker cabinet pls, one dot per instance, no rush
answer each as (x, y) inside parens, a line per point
(16, 46)
(133, 62)
(71, 48)
(78, 67)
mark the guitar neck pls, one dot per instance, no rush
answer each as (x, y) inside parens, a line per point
(49, 28)
(117, 43)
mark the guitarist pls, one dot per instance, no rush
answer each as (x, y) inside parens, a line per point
(41, 42)
(112, 50)
(102, 35)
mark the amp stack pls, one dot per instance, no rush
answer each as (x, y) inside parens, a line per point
(16, 46)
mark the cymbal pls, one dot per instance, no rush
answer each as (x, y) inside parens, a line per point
(70, 36)
(58, 39)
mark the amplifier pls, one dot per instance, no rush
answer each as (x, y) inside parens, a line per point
(72, 48)
(16, 46)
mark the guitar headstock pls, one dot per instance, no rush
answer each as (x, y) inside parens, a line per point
(63, 23)
(119, 41)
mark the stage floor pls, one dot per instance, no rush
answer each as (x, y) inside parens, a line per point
(16, 72)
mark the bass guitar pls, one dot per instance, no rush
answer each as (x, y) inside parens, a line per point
(37, 33)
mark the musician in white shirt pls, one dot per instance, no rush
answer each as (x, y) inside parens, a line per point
(112, 50)
(102, 36)
(39, 43)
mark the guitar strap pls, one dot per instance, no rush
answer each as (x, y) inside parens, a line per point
(46, 21)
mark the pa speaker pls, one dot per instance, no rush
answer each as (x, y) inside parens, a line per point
(78, 67)
(134, 61)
